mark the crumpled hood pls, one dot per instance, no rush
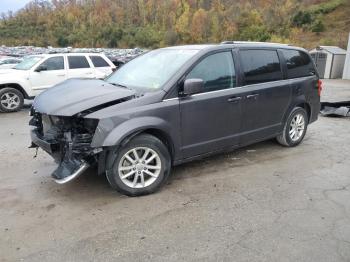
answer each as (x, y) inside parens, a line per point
(76, 95)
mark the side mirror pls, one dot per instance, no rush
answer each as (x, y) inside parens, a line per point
(193, 86)
(40, 68)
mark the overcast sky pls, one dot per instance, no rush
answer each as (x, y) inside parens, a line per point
(12, 5)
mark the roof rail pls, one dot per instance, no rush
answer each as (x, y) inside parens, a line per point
(249, 42)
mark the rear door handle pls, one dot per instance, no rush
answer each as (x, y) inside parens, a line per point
(234, 99)
(61, 75)
(252, 96)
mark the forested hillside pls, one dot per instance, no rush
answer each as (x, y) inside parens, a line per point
(154, 23)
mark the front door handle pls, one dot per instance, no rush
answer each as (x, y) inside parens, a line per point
(61, 74)
(252, 96)
(234, 99)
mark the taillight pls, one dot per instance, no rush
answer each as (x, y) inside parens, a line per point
(319, 87)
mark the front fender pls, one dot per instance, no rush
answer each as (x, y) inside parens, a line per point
(106, 135)
(23, 84)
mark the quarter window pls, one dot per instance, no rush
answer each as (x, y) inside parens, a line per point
(298, 63)
(54, 63)
(217, 71)
(99, 61)
(260, 66)
(76, 62)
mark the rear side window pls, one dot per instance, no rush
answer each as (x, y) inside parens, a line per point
(54, 63)
(217, 71)
(298, 63)
(99, 61)
(260, 66)
(76, 62)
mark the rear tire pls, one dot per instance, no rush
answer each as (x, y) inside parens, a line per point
(143, 173)
(11, 100)
(294, 128)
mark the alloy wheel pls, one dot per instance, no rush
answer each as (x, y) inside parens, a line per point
(139, 167)
(10, 100)
(297, 127)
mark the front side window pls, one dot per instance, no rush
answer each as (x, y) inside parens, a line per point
(150, 71)
(298, 63)
(76, 62)
(260, 66)
(217, 71)
(99, 61)
(28, 62)
(54, 63)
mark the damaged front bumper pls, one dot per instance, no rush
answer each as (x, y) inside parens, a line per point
(68, 141)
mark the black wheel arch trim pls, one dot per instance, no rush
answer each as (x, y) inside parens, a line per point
(112, 151)
(300, 102)
(17, 87)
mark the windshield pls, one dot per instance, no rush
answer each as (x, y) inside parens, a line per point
(28, 62)
(151, 70)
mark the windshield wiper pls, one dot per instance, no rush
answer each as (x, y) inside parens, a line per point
(123, 86)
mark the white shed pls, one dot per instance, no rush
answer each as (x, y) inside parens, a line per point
(346, 72)
(329, 61)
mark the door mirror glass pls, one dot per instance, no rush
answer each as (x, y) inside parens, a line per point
(41, 68)
(193, 86)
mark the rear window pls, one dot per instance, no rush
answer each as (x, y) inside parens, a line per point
(76, 62)
(260, 66)
(298, 63)
(99, 61)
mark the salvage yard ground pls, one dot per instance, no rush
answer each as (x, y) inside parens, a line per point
(260, 203)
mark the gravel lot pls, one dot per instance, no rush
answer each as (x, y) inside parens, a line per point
(260, 203)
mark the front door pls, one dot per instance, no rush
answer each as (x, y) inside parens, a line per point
(53, 73)
(266, 96)
(210, 120)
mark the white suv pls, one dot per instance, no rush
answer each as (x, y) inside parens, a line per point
(39, 72)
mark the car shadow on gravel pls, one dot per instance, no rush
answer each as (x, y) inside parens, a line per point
(244, 156)
(90, 185)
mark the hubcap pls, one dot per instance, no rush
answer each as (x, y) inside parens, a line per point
(297, 127)
(10, 100)
(139, 167)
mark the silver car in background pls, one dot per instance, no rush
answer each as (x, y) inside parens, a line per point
(9, 62)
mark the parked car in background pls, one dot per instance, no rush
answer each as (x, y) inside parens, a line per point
(38, 72)
(174, 105)
(9, 62)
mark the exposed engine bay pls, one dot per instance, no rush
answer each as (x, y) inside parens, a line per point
(60, 124)
(67, 140)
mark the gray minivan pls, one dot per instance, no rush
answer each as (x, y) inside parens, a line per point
(173, 105)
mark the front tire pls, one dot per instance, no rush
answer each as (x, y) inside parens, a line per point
(11, 100)
(140, 167)
(294, 128)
